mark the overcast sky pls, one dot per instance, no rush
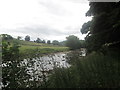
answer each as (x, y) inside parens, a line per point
(46, 19)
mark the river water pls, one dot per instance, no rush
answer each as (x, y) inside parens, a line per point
(38, 69)
(45, 64)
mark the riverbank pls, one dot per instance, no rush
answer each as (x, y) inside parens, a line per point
(94, 70)
(29, 49)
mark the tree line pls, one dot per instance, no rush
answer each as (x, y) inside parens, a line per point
(71, 41)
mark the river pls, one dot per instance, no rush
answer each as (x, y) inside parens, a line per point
(45, 64)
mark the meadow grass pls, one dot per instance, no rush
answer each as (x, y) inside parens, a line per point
(94, 70)
(33, 49)
(40, 50)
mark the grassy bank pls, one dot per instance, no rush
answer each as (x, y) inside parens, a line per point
(32, 49)
(40, 50)
(94, 70)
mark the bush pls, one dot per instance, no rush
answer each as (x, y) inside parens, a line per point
(95, 70)
(13, 75)
(73, 42)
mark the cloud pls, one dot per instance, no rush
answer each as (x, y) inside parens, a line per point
(47, 19)
(41, 29)
(78, 1)
(53, 7)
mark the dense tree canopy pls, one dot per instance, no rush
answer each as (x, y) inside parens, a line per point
(48, 42)
(38, 40)
(43, 41)
(105, 25)
(86, 27)
(27, 38)
(55, 42)
(73, 42)
(19, 37)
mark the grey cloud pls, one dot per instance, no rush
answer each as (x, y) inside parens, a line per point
(78, 1)
(53, 8)
(44, 30)
(41, 29)
(73, 30)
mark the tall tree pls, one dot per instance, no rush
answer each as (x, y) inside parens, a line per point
(48, 42)
(43, 41)
(19, 37)
(38, 40)
(27, 38)
(55, 42)
(73, 42)
(105, 25)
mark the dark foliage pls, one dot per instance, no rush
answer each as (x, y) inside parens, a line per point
(13, 74)
(27, 38)
(104, 27)
(73, 42)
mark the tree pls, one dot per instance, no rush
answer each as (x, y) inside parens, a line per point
(27, 38)
(86, 27)
(82, 44)
(104, 27)
(55, 42)
(48, 42)
(38, 40)
(19, 37)
(62, 43)
(73, 42)
(43, 41)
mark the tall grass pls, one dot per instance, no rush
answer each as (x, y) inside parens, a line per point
(95, 70)
(26, 51)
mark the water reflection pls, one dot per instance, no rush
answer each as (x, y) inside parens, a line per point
(38, 66)
(41, 67)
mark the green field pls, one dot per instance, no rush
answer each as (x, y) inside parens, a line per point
(29, 48)
(24, 49)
